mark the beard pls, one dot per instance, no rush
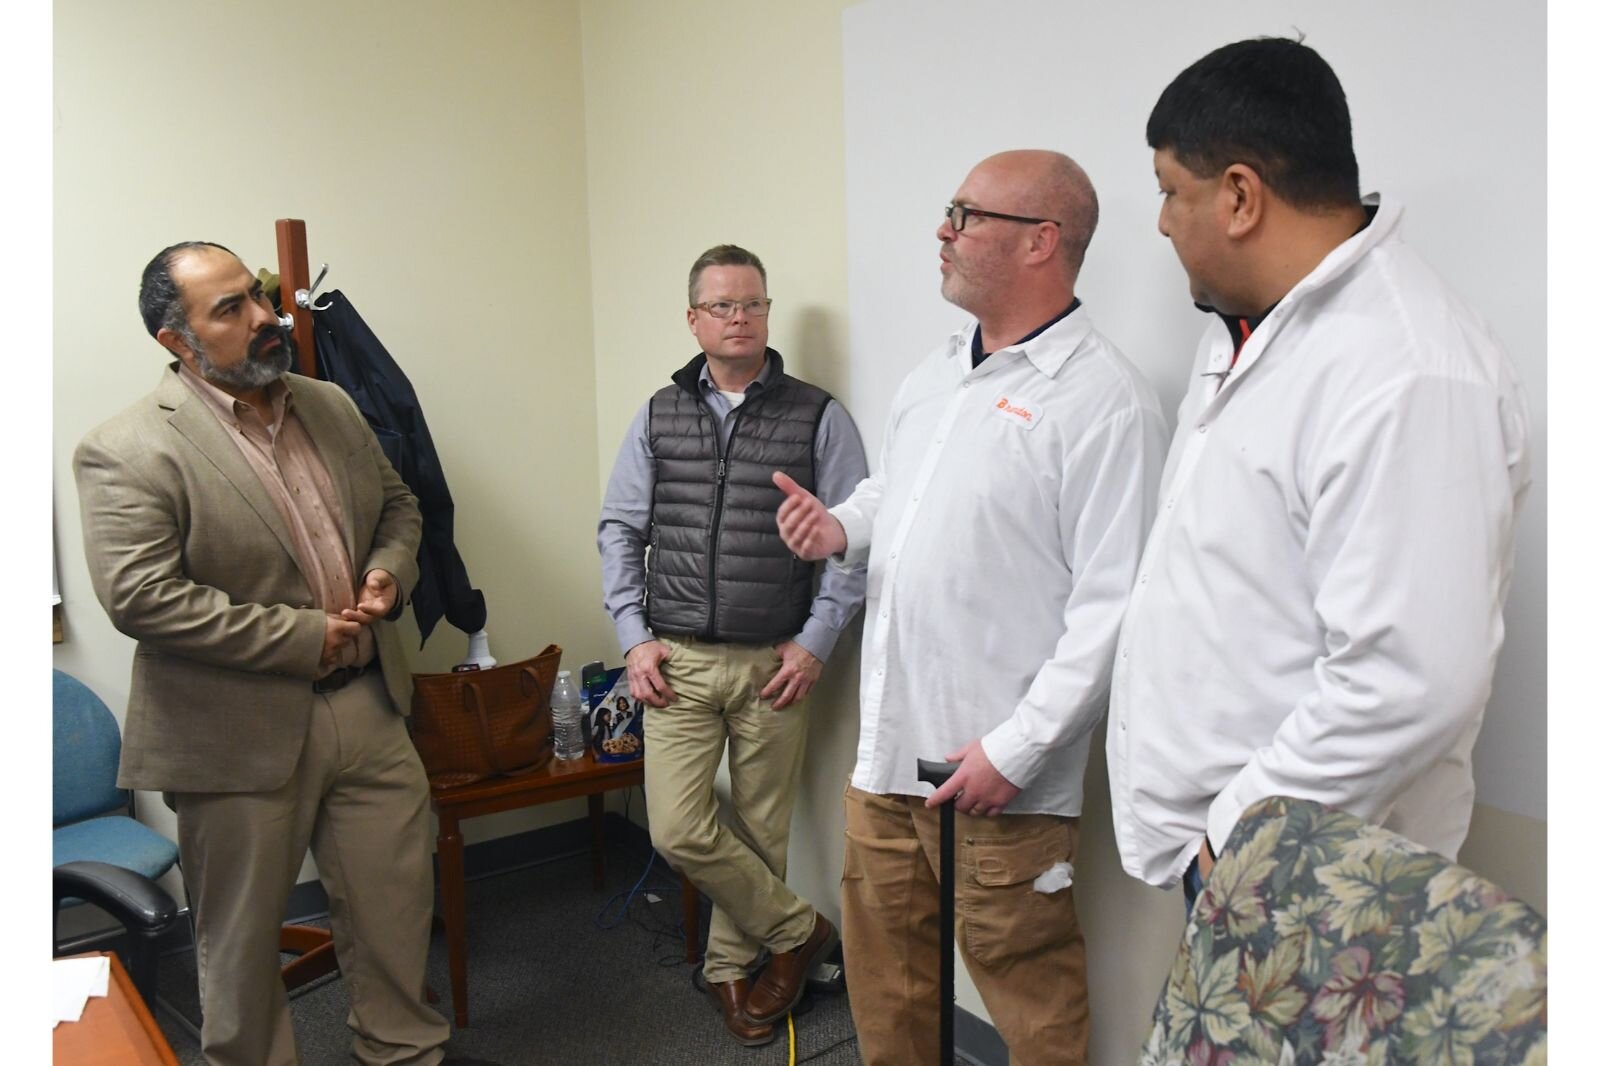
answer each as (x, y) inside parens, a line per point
(965, 292)
(258, 369)
(969, 285)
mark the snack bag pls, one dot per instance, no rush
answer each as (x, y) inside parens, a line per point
(616, 719)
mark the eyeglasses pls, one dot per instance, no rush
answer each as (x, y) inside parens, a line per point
(726, 308)
(959, 213)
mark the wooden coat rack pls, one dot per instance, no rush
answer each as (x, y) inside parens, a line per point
(313, 946)
(294, 276)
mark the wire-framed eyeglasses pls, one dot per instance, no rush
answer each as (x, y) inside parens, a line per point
(726, 308)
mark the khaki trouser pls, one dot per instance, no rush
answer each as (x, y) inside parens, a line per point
(740, 865)
(1023, 948)
(359, 797)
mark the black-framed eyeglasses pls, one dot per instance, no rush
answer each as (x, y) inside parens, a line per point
(959, 213)
(726, 308)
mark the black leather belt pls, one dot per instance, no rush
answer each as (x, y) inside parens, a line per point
(339, 678)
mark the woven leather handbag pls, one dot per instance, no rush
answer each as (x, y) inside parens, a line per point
(485, 723)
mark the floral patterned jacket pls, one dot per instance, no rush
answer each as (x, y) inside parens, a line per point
(1320, 939)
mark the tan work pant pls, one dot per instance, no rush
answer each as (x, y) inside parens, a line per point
(359, 797)
(1022, 947)
(740, 865)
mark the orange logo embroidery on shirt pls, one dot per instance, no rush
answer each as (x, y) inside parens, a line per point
(1005, 405)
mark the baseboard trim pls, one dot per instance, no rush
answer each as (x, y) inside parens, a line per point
(979, 1042)
(308, 900)
(485, 858)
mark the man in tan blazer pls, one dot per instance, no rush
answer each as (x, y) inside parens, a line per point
(243, 526)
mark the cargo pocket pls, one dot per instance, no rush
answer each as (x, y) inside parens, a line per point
(852, 864)
(1002, 916)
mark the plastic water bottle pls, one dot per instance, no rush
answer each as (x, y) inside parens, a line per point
(566, 717)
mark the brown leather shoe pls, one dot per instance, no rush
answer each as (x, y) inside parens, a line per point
(784, 980)
(729, 997)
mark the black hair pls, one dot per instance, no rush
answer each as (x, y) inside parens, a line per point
(1272, 104)
(160, 302)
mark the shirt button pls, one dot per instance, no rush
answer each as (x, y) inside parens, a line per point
(1202, 427)
(966, 384)
(1144, 578)
(1170, 503)
(1124, 654)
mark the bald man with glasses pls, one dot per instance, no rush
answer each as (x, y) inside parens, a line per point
(724, 631)
(1001, 532)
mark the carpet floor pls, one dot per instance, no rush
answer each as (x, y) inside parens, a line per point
(560, 973)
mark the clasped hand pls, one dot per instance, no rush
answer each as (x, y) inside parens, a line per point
(374, 600)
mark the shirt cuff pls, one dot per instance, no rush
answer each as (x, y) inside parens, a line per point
(818, 638)
(631, 631)
(1223, 816)
(1017, 760)
(857, 536)
(399, 592)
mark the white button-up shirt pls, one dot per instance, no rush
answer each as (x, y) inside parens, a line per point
(1004, 525)
(1318, 611)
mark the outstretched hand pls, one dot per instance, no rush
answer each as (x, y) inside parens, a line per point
(805, 524)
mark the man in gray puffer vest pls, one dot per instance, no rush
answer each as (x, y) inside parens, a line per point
(724, 630)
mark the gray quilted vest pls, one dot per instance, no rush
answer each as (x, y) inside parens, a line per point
(717, 568)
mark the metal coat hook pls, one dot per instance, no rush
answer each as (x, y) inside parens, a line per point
(302, 297)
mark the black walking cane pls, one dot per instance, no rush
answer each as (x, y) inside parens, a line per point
(936, 774)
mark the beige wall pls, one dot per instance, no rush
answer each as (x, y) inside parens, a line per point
(436, 152)
(511, 194)
(710, 122)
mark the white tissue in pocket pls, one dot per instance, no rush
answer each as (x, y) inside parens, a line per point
(1054, 879)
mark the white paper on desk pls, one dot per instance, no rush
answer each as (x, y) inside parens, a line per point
(75, 980)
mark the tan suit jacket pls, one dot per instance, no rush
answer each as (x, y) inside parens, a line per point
(190, 557)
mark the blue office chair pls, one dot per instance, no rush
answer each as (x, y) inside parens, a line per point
(101, 853)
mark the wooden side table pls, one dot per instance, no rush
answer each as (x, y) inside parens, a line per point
(562, 780)
(115, 1029)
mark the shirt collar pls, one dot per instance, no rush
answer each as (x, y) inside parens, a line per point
(1047, 348)
(761, 379)
(1383, 220)
(226, 406)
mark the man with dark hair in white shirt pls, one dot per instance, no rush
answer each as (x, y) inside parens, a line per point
(1016, 484)
(1318, 612)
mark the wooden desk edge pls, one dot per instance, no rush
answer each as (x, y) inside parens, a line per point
(136, 1004)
